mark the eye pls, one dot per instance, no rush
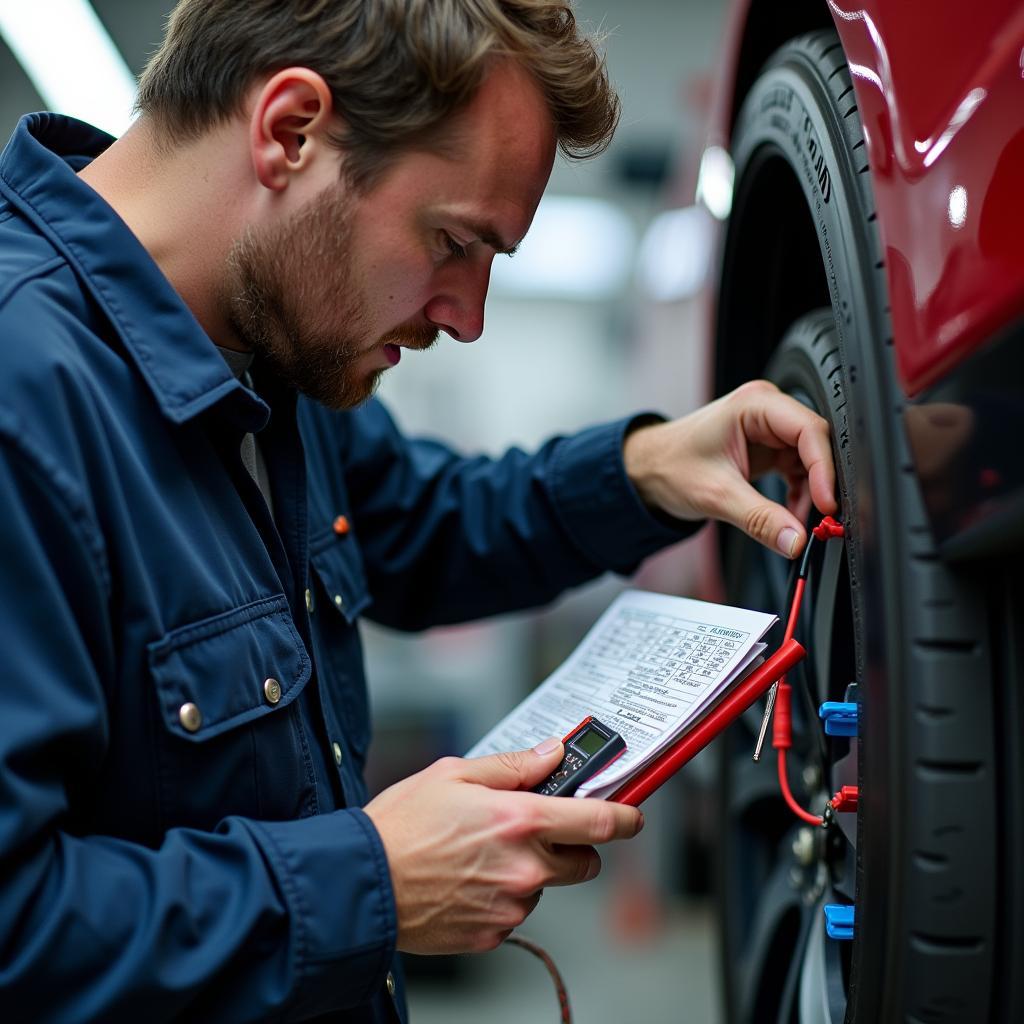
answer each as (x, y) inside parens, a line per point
(458, 251)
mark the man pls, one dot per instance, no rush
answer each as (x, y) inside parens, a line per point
(191, 534)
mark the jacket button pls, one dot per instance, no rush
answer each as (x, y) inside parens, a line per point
(336, 747)
(341, 526)
(391, 984)
(309, 600)
(272, 690)
(339, 600)
(190, 717)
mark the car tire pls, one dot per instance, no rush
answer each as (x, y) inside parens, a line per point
(921, 861)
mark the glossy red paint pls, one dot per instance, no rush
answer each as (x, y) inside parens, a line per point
(941, 97)
(940, 90)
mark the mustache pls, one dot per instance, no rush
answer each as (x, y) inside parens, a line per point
(417, 338)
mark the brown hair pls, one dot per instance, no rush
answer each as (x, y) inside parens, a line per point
(396, 68)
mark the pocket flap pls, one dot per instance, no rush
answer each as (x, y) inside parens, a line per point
(339, 565)
(226, 665)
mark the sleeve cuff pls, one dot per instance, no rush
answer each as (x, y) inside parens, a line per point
(599, 505)
(333, 874)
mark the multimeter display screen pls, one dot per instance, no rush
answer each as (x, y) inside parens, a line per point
(589, 741)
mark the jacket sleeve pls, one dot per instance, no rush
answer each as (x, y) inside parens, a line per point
(449, 539)
(253, 920)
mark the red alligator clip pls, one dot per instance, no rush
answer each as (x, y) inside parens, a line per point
(827, 528)
(845, 799)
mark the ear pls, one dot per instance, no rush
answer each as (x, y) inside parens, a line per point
(291, 110)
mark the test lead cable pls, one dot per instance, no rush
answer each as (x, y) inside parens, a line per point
(778, 709)
(516, 939)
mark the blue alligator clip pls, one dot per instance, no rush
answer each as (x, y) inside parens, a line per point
(839, 920)
(840, 718)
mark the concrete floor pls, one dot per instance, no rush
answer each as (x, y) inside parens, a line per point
(653, 965)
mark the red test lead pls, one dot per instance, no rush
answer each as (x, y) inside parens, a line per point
(782, 727)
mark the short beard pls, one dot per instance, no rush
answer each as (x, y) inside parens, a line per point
(278, 277)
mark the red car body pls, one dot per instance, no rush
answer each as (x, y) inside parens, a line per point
(940, 89)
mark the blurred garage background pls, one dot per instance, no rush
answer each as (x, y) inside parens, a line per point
(594, 318)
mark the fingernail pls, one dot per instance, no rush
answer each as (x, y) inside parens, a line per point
(546, 746)
(788, 540)
(641, 825)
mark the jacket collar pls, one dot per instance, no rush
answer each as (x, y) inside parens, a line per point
(175, 357)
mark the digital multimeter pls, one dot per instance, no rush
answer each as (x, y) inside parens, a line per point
(589, 748)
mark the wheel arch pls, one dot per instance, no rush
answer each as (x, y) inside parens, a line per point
(916, 164)
(765, 26)
(752, 312)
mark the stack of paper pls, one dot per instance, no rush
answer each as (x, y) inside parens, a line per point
(649, 668)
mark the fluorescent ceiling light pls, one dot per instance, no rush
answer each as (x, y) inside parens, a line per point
(69, 58)
(576, 248)
(675, 254)
(715, 181)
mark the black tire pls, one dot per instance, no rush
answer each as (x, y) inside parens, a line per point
(923, 855)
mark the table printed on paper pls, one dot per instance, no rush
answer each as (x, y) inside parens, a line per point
(649, 668)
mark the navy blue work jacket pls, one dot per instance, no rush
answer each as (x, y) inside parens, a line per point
(184, 718)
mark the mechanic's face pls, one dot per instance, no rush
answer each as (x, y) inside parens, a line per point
(330, 299)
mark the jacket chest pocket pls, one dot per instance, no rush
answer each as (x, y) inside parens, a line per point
(341, 596)
(230, 737)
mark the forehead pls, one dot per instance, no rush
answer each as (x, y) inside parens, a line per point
(493, 161)
(507, 128)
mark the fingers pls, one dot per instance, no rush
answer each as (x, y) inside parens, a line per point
(798, 500)
(518, 769)
(775, 420)
(765, 521)
(573, 822)
(571, 865)
(554, 865)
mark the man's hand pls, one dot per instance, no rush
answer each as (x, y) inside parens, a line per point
(469, 852)
(702, 465)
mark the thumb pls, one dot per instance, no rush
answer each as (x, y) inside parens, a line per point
(765, 521)
(517, 769)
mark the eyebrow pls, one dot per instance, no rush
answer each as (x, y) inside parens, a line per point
(487, 234)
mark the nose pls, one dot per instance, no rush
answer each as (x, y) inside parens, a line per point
(457, 307)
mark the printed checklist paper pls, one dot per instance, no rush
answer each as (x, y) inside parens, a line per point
(650, 668)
